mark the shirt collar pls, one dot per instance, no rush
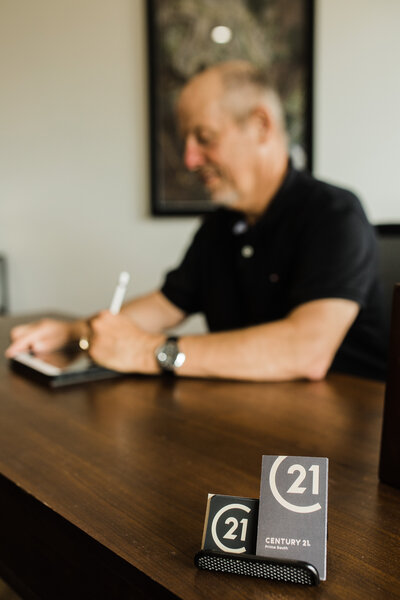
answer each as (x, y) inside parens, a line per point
(274, 209)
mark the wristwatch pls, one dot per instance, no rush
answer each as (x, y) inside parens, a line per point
(168, 355)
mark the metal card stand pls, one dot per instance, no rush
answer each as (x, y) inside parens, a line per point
(257, 566)
(233, 520)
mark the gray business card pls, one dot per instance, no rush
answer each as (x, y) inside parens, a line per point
(292, 521)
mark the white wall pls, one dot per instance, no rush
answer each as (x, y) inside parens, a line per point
(74, 191)
(357, 99)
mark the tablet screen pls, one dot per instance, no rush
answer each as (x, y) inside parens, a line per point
(61, 367)
(55, 363)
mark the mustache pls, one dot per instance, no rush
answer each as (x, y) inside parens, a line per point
(205, 172)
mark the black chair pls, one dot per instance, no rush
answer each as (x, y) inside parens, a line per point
(3, 287)
(389, 467)
(388, 236)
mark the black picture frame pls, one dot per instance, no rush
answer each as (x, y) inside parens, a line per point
(279, 37)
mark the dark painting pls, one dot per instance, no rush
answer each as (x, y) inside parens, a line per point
(185, 36)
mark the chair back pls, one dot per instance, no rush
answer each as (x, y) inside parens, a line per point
(389, 467)
(388, 236)
(3, 286)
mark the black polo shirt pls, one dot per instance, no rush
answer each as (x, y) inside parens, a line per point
(314, 241)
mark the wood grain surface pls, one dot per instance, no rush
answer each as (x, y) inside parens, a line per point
(108, 482)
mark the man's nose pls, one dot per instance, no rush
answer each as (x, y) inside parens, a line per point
(193, 155)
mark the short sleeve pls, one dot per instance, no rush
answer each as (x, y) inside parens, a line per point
(338, 255)
(182, 286)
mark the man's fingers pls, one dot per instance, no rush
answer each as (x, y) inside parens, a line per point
(31, 341)
(102, 321)
(27, 337)
(19, 345)
(20, 331)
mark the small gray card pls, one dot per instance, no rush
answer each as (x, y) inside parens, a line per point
(292, 521)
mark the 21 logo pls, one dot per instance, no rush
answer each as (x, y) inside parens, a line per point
(296, 487)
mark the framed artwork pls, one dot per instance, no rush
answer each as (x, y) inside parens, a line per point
(186, 36)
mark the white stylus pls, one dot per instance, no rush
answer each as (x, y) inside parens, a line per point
(119, 293)
(115, 306)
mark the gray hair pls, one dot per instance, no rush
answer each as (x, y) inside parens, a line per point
(246, 86)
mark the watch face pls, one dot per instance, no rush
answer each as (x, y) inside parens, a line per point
(168, 355)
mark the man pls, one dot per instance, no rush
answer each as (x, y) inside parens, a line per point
(285, 273)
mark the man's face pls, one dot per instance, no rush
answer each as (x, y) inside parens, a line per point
(219, 149)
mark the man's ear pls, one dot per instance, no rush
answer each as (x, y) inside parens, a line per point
(262, 122)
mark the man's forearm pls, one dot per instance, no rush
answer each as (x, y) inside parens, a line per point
(302, 345)
(153, 312)
(270, 352)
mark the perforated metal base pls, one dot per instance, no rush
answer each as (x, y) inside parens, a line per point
(256, 566)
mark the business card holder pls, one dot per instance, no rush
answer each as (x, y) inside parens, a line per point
(289, 571)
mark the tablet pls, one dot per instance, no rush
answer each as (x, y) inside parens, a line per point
(60, 368)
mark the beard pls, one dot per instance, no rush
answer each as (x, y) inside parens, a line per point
(224, 193)
(227, 197)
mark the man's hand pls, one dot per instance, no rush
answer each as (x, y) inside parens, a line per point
(118, 343)
(45, 335)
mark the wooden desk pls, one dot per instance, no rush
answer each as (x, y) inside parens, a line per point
(103, 487)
